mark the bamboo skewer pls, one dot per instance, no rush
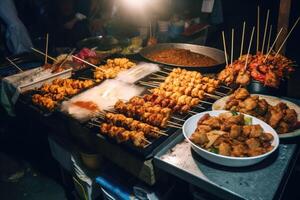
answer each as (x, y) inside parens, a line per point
(224, 86)
(174, 123)
(265, 32)
(269, 39)
(38, 51)
(232, 43)
(156, 78)
(200, 107)
(207, 102)
(249, 48)
(177, 118)
(172, 126)
(284, 41)
(46, 51)
(168, 69)
(224, 45)
(13, 64)
(257, 30)
(192, 112)
(220, 93)
(243, 36)
(167, 73)
(158, 75)
(277, 36)
(86, 62)
(66, 58)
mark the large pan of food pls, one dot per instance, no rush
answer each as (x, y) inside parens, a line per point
(282, 115)
(190, 56)
(230, 139)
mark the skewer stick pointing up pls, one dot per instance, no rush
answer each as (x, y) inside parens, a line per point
(38, 51)
(257, 30)
(269, 39)
(46, 51)
(265, 32)
(273, 44)
(249, 48)
(232, 43)
(225, 51)
(287, 36)
(13, 64)
(243, 36)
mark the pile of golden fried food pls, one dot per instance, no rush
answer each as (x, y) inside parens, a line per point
(58, 90)
(231, 134)
(280, 117)
(112, 68)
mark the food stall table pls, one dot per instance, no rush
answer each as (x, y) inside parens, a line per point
(265, 180)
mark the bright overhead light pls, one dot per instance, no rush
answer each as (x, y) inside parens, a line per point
(136, 5)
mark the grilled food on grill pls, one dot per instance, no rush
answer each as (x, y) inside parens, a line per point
(112, 68)
(58, 90)
(133, 125)
(121, 134)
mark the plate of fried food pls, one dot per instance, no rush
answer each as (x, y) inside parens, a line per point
(229, 138)
(282, 115)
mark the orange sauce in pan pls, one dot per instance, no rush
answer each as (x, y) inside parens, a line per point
(181, 57)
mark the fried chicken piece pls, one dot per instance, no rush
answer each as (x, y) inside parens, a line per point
(262, 107)
(238, 150)
(266, 137)
(280, 106)
(250, 103)
(235, 131)
(231, 104)
(256, 151)
(274, 117)
(282, 127)
(213, 122)
(243, 78)
(203, 118)
(236, 119)
(290, 117)
(224, 149)
(253, 143)
(241, 94)
(272, 79)
(199, 138)
(203, 128)
(246, 130)
(256, 131)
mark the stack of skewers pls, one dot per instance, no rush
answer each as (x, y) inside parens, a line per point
(266, 66)
(146, 118)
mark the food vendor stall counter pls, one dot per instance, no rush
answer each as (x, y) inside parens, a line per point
(264, 180)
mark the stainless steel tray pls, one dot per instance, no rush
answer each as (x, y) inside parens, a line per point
(178, 159)
(213, 53)
(38, 83)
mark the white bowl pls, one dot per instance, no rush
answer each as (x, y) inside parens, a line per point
(190, 126)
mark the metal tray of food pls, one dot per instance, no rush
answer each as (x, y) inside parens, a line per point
(178, 159)
(216, 54)
(38, 83)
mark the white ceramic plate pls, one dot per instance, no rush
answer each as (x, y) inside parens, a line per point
(220, 105)
(191, 124)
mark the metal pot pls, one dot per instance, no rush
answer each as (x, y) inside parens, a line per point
(213, 53)
(257, 87)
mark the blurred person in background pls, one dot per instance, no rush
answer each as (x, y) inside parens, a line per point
(71, 26)
(17, 38)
